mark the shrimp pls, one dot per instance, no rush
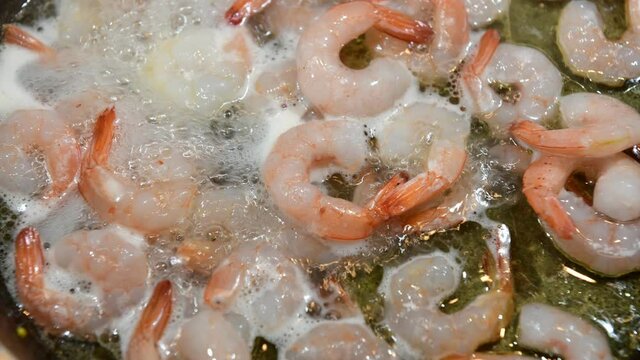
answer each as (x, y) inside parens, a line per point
(441, 161)
(209, 335)
(150, 209)
(113, 263)
(278, 16)
(435, 61)
(43, 131)
(14, 35)
(504, 83)
(600, 243)
(336, 89)
(287, 170)
(597, 126)
(484, 12)
(200, 69)
(481, 356)
(587, 51)
(259, 268)
(415, 290)
(545, 328)
(339, 340)
(441, 214)
(152, 323)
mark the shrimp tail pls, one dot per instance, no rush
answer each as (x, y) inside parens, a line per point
(402, 26)
(551, 211)
(433, 219)
(240, 10)
(223, 284)
(16, 36)
(375, 205)
(582, 142)
(152, 323)
(486, 48)
(29, 259)
(423, 187)
(413, 193)
(103, 135)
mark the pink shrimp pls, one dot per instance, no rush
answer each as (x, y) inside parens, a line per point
(533, 81)
(16, 36)
(152, 323)
(597, 126)
(603, 244)
(446, 132)
(41, 130)
(334, 88)
(150, 209)
(103, 256)
(314, 145)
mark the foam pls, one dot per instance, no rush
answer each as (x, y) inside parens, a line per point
(222, 150)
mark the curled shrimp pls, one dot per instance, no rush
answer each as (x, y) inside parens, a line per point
(287, 177)
(597, 126)
(504, 83)
(152, 323)
(435, 61)
(149, 209)
(589, 53)
(416, 289)
(545, 328)
(26, 132)
(584, 233)
(438, 137)
(339, 340)
(338, 90)
(114, 264)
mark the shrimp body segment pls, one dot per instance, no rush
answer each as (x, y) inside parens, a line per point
(338, 90)
(412, 310)
(209, 335)
(600, 243)
(545, 328)
(484, 12)
(287, 176)
(438, 139)
(26, 131)
(152, 323)
(341, 340)
(149, 209)
(588, 52)
(504, 83)
(112, 263)
(597, 126)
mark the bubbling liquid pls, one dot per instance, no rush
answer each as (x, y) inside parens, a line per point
(105, 49)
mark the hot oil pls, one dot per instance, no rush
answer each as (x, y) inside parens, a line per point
(226, 147)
